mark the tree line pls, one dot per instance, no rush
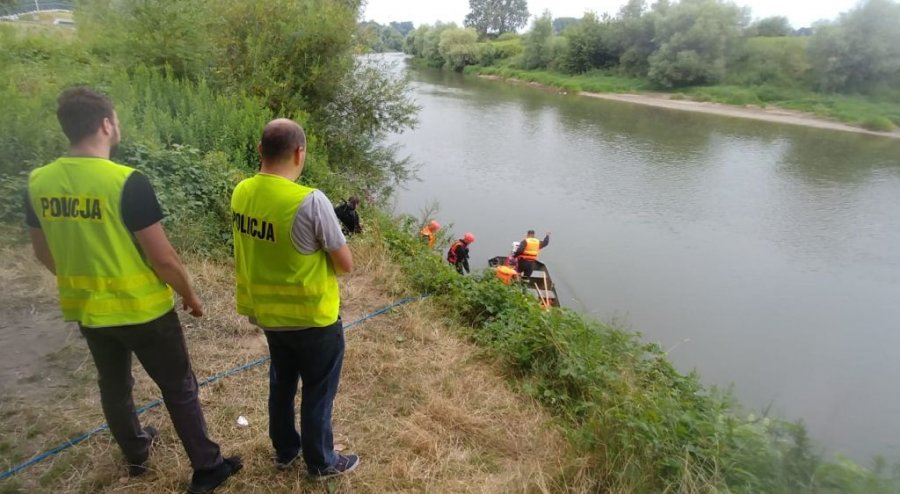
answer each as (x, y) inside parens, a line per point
(685, 43)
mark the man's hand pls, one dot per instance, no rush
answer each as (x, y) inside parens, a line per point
(547, 234)
(193, 305)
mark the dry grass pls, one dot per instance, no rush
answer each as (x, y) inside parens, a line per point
(423, 408)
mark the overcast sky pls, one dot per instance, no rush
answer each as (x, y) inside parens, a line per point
(801, 13)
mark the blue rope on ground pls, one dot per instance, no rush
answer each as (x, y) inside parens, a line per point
(156, 403)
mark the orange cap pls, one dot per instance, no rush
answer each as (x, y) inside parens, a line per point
(434, 226)
(469, 238)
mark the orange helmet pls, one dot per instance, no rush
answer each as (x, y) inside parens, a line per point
(469, 238)
(434, 226)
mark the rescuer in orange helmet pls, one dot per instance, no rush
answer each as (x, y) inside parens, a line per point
(428, 231)
(458, 255)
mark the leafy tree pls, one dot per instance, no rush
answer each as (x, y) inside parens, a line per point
(695, 38)
(495, 17)
(635, 35)
(431, 42)
(537, 54)
(561, 23)
(458, 47)
(589, 46)
(772, 27)
(861, 51)
(293, 53)
(781, 61)
(391, 38)
(403, 28)
(154, 33)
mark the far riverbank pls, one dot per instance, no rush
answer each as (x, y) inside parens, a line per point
(767, 114)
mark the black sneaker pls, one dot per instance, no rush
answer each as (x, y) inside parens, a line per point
(205, 481)
(344, 464)
(138, 469)
(283, 463)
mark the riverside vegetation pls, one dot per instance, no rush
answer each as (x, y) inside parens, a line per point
(193, 93)
(705, 50)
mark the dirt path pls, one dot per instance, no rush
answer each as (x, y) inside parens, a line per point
(771, 115)
(33, 336)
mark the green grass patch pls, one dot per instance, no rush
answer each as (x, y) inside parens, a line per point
(594, 82)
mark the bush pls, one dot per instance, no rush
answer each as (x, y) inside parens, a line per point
(194, 190)
(878, 124)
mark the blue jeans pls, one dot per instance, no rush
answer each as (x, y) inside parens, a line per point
(314, 356)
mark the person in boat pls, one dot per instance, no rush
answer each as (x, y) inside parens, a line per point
(458, 254)
(506, 272)
(427, 234)
(346, 213)
(528, 252)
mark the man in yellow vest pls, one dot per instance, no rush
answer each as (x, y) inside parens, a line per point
(288, 249)
(528, 252)
(96, 225)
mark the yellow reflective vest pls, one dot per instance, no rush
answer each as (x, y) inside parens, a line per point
(532, 248)
(102, 276)
(277, 286)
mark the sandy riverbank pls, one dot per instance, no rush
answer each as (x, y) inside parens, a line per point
(770, 114)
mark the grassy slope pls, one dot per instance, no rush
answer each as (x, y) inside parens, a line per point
(425, 410)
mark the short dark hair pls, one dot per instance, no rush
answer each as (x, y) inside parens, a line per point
(280, 138)
(81, 110)
(353, 201)
(531, 232)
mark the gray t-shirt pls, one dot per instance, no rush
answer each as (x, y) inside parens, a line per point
(316, 226)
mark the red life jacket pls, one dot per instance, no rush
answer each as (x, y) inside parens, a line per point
(452, 257)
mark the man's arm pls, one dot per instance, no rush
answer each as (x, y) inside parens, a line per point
(342, 259)
(167, 265)
(42, 249)
(546, 240)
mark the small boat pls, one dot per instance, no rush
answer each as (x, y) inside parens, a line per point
(538, 283)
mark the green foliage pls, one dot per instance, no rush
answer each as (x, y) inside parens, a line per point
(560, 24)
(589, 46)
(778, 61)
(635, 36)
(458, 47)
(192, 105)
(368, 105)
(695, 37)
(771, 27)
(377, 38)
(151, 33)
(861, 51)
(496, 52)
(495, 17)
(878, 123)
(194, 190)
(538, 52)
(292, 53)
(594, 81)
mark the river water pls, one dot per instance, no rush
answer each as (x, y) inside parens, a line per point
(765, 256)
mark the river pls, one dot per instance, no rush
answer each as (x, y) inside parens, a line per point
(765, 256)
